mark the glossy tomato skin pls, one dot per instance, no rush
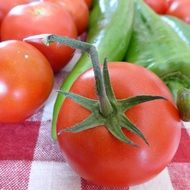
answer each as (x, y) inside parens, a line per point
(39, 18)
(6, 6)
(102, 159)
(159, 6)
(78, 10)
(180, 9)
(26, 80)
(89, 2)
(169, 2)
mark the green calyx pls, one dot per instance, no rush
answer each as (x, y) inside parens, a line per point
(107, 110)
(116, 120)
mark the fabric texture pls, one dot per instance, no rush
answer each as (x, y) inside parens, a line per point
(30, 160)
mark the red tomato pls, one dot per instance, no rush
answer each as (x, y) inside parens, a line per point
(102, 159)
(38, 18)
(159, 6)
(169, 2)
(79, 11)
(89, 2)
(26, 80)
(6, 6)
(180, 9)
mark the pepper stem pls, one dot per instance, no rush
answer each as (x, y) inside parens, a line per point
(105, 106)
(183, 103)
(182, 98)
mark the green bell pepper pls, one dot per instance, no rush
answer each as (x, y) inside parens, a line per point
(156, 46)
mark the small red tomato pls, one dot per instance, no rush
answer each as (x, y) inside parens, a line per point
(26, 80)
(89, 2)
(39, 18)
(78, 10)
(180, 9)
(159, 6)
(96, 155)
(6, 6)
(169, 2)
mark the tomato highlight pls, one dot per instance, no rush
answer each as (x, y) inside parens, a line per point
(180, 9)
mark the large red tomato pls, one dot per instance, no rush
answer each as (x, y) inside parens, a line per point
(79, 11)
(159, 6)
(38, 18)
(101, 158)
(26, 80)
(180, 9)
(6, 6)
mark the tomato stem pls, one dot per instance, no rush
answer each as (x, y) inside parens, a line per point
(105, 106)
(107, 110)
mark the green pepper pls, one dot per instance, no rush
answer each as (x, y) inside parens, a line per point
(110, 28)
(179, 26)
(156, 46)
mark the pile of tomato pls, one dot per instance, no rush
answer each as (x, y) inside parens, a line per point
(177, 8)
(28, 67)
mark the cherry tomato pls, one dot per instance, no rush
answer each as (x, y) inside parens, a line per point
(159, 6)
(101, 158)
(79, 11)
(26, 80)
(88, 2)
(38, 18)
(180, 9)
(6, 6)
